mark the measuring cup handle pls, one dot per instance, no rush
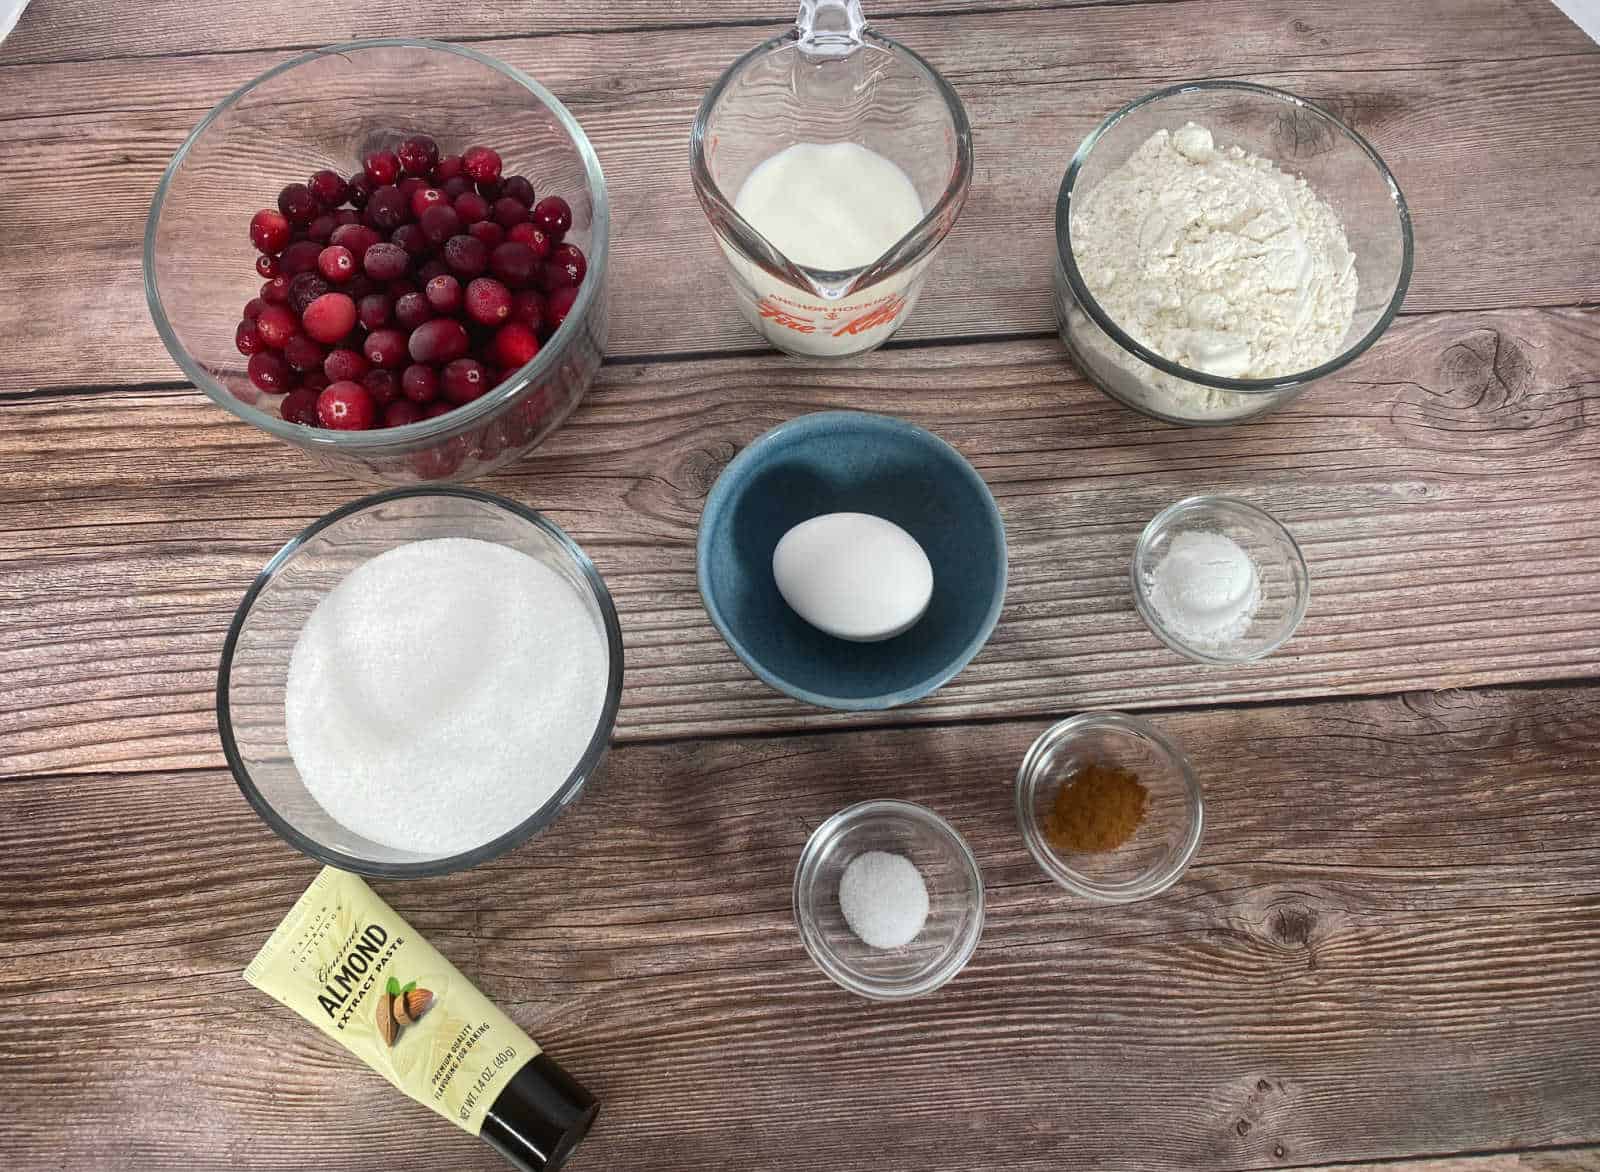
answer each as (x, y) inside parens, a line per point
(830, 27)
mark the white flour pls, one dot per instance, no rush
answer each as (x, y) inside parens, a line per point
(1217, 260)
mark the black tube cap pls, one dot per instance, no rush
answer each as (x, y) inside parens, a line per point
(540, 1117)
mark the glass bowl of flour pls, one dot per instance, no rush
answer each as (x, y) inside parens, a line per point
(420, 681)
(1220, 246)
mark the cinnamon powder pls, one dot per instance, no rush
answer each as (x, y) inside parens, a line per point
(1096, 809)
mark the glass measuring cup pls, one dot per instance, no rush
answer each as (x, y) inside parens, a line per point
(830, 80)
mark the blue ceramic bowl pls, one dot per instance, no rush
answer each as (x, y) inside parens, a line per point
(846, 461)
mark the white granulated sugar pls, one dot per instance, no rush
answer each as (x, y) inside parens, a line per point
(1217, 260)
(442, 692)
(1205, 589)
(884, 899)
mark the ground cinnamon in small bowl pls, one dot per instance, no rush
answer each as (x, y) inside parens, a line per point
(1097, 808)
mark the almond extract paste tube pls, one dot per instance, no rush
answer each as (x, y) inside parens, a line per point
(343, 960)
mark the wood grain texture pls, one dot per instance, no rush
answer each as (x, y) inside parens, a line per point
(1388, 945)
(1582, 1159)
(1516, 81)
(1444, 490)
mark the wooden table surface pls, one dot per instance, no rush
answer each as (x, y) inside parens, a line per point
(1388, 948)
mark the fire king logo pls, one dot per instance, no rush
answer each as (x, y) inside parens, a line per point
(878, 315)
(780, 316)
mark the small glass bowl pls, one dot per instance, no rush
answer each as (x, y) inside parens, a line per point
(955, 900)
(1160, 849)
(1280, 570)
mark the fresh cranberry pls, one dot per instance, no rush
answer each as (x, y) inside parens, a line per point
(569, 259)
(490, 189)
(439, 223)
(518, 188)
(481, 164)
(410, 185)
(424, 198)
(534, 237)
(359, 189)
(373, 310)
(321, 228)
(411, 310)
(515, 344)
(269, 371)
(269, 231)
(299, 257)
(297, 203)
(345, 216)
(381, 167)
(443, 293)
(446, 169)
(558, 305)
(266, 264)
(306, 288)
(314, 380)
(508, 212)
(300, 407)
(492, 234)
(344, 364)
(488, 301)
(418, 154)
(330, 317)
(253, 308)
(527, 307)
(277, 324)
(410, 237)
(328, 188)
(456, 186)
(346, 406)
(337, 263)
(387, 347)
(303, 354)
(463, 380)
(387, 209)
(432, 411)
(436, 341)
(401, 412)
(513, 263)
(466, 255)
(554, 215)
(471, 207)
(248, 339)
(420, 383)
(357, 238)
(382, 385)
(276, 291)
(386, 261)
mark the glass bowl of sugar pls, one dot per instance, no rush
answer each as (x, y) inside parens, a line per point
(1219, 581)
(888, 899)
(420, 681)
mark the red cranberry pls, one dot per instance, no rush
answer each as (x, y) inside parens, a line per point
(269, 371)
(424, 198)
(266, 264)
(381, 167)
(471, 207)
(431, 269)
(328, 188)
(387, 347)
(570, 260)
(400, 413)
(387, 209)
(337, 263)
(297, 203)
(330, 317)
(382, 385)
(299, 257)
(439, 340)
(515, 344)
(269, 231)
(488, 301)
(489, 188)
(321, 228)
(346, 406)
(410, 237)
(417, 154)
(558, 305)
(253, 308)
(508, 212)
(344, 365)
(527, 307)
(305, 289)
(357, 238)
(303, 354)
(534, 237)
(345, 216)
(277, 324)
(314, 380)
(432, 411)
(359, 189)
(463, 380)
(372, 311)
(443, 293)
(456, 186)
(399, 287)
(276, 291)
(518, 188)
(410, 185)
(466, 255)
(386, 261)
(554, 215)
(439, 223)
(411, 310)
(420, 383)
(489, 232)
(446, 169)
(481, 164)
(300, 407)
(248, 339)
(513, 263)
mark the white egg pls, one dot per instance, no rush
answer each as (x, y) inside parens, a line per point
(854, 576)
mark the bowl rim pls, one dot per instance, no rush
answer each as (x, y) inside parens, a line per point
(1152, 882)
(805, 875)
(1261, 518)
(599, 741)
(392, 440)
(805, 426)
(1067, 263)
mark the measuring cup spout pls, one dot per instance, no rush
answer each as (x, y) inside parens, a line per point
(829, 28)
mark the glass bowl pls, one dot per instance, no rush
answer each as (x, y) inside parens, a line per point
(1159, 850)
(255, 661)
(1302, 139)
(328, 108)
(955, 900)
(1281, 574)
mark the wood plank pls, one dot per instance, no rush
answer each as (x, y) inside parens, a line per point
(1517, 80)
(1444, 490)
(1389, 945)
(1583, 1159)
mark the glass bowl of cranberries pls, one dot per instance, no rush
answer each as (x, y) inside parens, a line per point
(389, 253)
